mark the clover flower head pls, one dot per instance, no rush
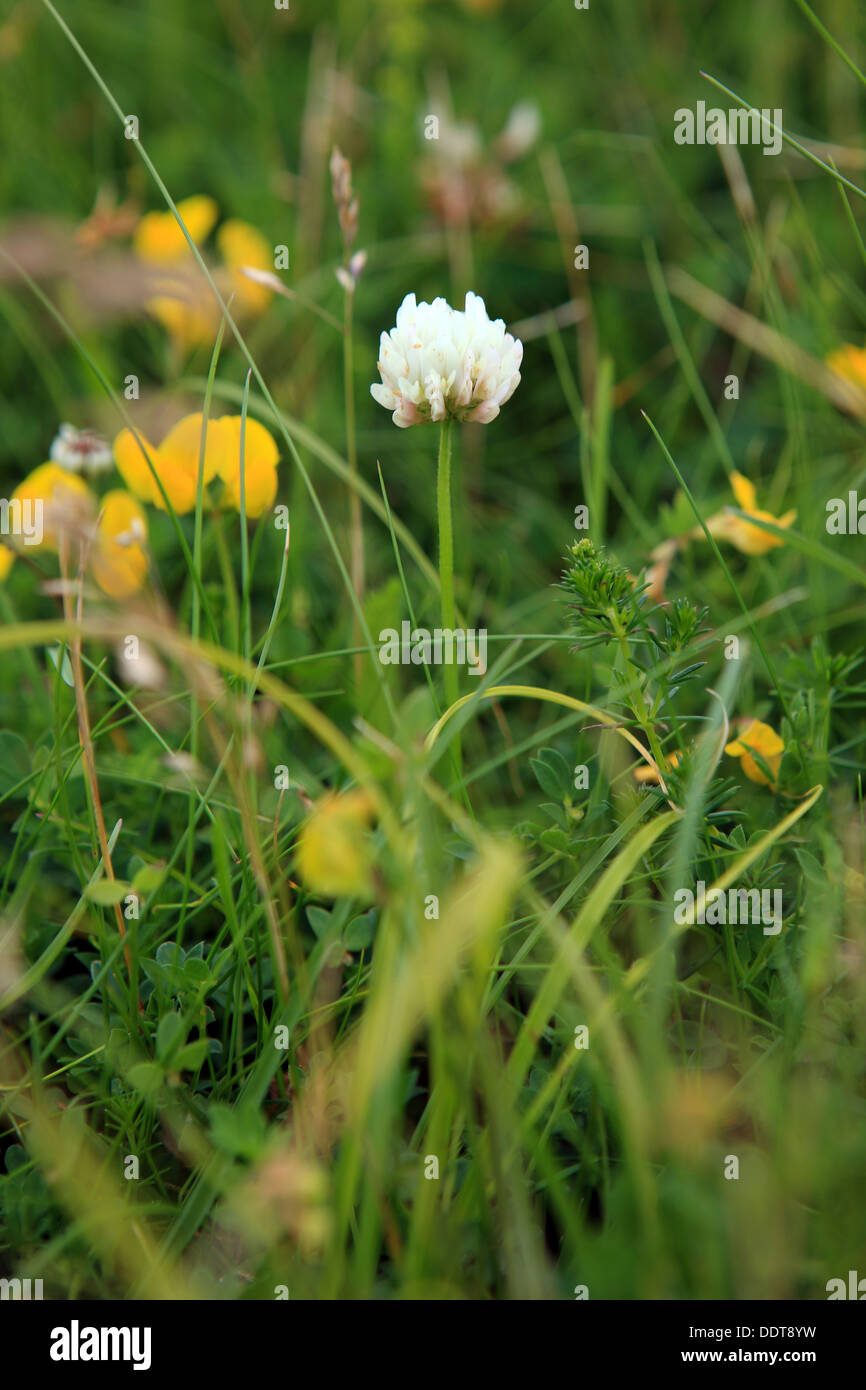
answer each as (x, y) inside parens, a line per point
(81, 451)
(440, 362)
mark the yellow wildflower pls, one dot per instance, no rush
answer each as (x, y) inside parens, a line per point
(159, 240)
(176, 461)
(260, 465)
(334, 855)
(240, 245)
(66, 504)
(182, 445)
(183, 301)
(179, 480)
(760, 739)
(119, 559)
(751, 540)
(645, 773)
(117, 556)
(849, 362)
(188, 312)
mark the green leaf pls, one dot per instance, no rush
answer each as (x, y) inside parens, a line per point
(197, 973)
(148, 879)
(64, 667)
(556, 813)
(146, 1077)
(105, 892)
(555, 840)
(319, 920)
(156, 973)
(169, 1036)
(16, 1157)
(191, 1057)
(170, 954)
(359, 933)
(240, 1133)
(552, 773)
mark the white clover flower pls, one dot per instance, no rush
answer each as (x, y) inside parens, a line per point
(81, 450)
(441, 362)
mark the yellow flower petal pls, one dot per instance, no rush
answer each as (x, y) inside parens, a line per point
(179, 483)
(191, 319)
(66, 500)
(645, 773)
(181, 489)
(239, 245)
(119, 559)
(849, 362)
(158, 238)
(762, 739)
(334, 855)
(260, 489)
(749, 539)
(261, 456)
(129, 455)
(182, 445)
(744, 491)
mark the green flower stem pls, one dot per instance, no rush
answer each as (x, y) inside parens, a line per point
(446, 555)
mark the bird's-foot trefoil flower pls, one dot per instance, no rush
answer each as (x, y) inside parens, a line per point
(760, 739)
(182, 300)
(176, 462)
(64, 503)
(849, 363)
(110, 533)
(118, 558)
(651, 774)
(335, 852)
(751, 540)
